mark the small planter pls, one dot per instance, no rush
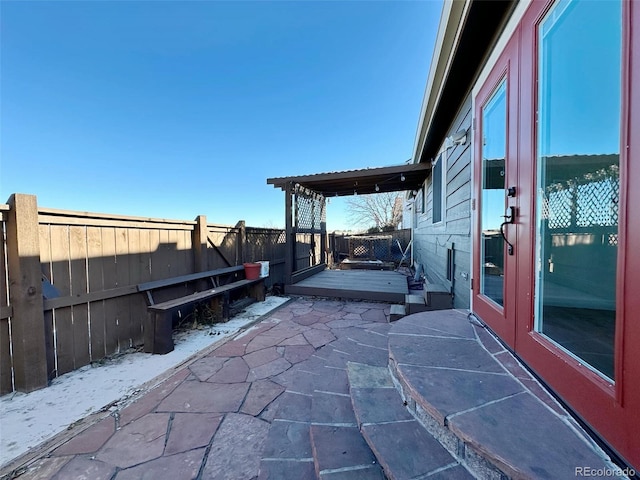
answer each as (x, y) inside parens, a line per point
(252, 271)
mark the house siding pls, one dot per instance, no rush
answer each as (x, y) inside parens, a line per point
(432, 241)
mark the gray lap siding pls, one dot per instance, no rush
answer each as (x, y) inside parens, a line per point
(432, 241)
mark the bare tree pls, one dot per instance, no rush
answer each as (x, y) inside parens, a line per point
(379, 209)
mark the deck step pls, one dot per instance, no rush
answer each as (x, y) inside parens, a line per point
(414, 304)
(437, 297)
(488, 412)
(397, 312)
(401, 445)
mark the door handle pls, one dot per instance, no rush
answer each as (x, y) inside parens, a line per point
(509, 217)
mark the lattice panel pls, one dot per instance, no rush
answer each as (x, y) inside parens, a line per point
(310, 209)
(589, 201)
(363, 248)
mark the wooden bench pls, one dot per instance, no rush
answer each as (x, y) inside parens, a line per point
(178, 296)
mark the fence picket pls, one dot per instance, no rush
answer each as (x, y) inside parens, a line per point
(95, 283)
(79, 313)
(62, 317)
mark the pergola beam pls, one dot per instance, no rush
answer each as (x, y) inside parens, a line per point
(396, 178)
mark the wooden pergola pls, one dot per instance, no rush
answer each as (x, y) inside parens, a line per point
(305, 201)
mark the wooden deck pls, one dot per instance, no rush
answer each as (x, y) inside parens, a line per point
(383, 286)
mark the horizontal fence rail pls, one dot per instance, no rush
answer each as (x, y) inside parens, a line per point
(87, 267)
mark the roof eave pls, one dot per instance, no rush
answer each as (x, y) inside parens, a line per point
(467, 32)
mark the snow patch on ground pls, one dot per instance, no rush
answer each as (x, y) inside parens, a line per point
(26, 420)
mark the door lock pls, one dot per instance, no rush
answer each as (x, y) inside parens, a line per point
(510, 215)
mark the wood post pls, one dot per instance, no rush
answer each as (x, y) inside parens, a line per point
(199, 242)
(25, 294)
(290, 246)
(242, 241)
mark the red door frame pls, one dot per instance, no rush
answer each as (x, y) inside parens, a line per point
(612, 410)
(498, 317)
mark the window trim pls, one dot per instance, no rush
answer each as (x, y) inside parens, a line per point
(441, 162)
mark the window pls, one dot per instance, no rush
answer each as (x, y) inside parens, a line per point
(578, 179)
(437, 180)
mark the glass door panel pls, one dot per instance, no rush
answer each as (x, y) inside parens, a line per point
(578, 136)
(492, 201)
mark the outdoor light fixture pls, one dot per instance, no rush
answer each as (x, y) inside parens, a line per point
(377, 188)
(402, 177)
(458, 138)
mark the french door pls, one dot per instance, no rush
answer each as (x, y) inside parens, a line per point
(557, 226)
(496, 196)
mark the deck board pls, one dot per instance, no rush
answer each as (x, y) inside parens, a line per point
(377, 285)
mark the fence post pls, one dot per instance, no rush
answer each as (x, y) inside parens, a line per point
(25, 294)
(290, 245)
(242, 241)
(200, 239)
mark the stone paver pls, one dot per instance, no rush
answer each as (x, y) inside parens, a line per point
(148, 403)
(339, 448)
(369, 472)
(368, 376)
(288, 440)
(182, 466)
(138, 442)
(375, 405)
(318, 338)
(236, 449)
(527, 433)
(332, 408)
(82, 468)
(191, 430)
(261, 394)
(203, 397)
(285, 399)
(205, 367)
(294, 406)
(450, 391)
(89, 440)
(278, 469)
(234, 370)
(298, 353)
(270, 369)
(395, 445)
(260, 357)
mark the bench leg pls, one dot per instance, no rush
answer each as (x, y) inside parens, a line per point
(220, 307)
(226, 309)
(217, 307)
(158, 332)
(256, 291)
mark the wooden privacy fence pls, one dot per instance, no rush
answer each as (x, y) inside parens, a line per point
(69, 279)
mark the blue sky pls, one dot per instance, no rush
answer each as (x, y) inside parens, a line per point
(177, 109)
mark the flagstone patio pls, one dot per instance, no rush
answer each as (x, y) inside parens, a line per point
(329, 389)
